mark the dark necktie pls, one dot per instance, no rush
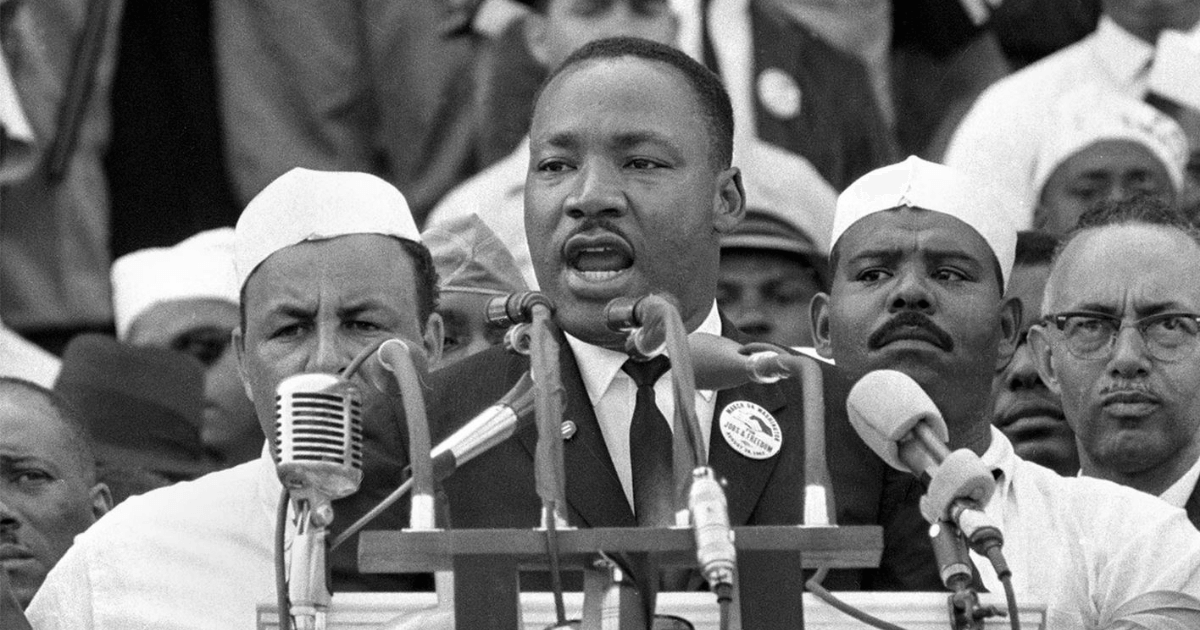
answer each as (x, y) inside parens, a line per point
(650, 447)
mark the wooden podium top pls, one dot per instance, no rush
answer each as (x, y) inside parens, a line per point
(408, 551)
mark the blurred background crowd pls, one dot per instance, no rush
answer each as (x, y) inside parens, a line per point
(135, 131)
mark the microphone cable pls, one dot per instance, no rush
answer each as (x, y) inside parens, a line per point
(281, 586)
(814, 586)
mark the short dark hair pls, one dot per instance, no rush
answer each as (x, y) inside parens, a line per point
(1141, 209)
(427, 283)
(1035, 248)
(710, 93)
(79, 439)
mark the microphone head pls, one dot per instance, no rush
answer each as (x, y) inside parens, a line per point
(318, 436)
(884, 406)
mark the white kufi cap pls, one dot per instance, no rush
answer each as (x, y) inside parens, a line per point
(915, 183)
(1091, 114)
(198, 268)
(305, 205)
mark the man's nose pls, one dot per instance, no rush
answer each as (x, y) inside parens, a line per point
(911, 293)
(597, 192)
(1021, 373)
(9, 522)
(330, 353)
(1129, 356)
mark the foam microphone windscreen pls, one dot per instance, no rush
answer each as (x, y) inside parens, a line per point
(884, 405)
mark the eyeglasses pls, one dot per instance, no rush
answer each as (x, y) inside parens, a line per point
(1091, 336)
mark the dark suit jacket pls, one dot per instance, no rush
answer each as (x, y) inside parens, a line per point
(496, 490)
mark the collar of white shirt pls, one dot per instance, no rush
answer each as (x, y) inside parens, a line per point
(1181, 490)
(612, 395)
(599, 366)
(1125, 56)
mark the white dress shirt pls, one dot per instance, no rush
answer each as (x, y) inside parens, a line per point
(613, 395)
(193, 555)
(1000, 136)
(1180, 491)
(1099, 554)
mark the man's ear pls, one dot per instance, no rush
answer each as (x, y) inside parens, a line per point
(434, 335)
(239, 345)
(729, 206)
(101, 500)
(1043, 357)
(1010, 330)
(533, 26)
(819, 316)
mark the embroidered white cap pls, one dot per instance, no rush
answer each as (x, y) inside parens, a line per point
(305, 205)
(200, 267)
(1091, 114)
(916, 183)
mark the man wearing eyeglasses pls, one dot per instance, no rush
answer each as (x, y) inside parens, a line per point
(1120, 342)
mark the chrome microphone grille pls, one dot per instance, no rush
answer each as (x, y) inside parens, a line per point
(318, 431)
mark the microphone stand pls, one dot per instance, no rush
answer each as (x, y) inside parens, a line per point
(533, 335)
(397, 357)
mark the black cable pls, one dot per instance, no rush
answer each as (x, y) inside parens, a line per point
(281, 592)
(814, 586)
(725, 603)
(996, 557)
(560, 608)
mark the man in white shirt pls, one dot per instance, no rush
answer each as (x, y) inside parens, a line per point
(1121, 343)
(999, 139)
(920, 261)
(328, 264)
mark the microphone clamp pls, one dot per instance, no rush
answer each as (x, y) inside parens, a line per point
(515, 308)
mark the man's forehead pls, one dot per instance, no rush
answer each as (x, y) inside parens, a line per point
(912, 229)
(351, 268)
(1135, 263)
(595, 77)
(28, 423)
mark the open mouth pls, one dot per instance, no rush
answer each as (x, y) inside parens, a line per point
(911, 333)
(598, 257)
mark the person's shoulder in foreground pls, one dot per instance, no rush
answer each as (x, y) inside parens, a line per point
(124, 572)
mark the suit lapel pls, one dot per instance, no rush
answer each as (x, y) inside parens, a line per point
(594, 492)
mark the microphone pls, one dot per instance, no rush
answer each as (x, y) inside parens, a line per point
(722, 363)
(645, 321)
(319, 437)
(318, 432)
(515, 308)
(898, 420)
(710, 525)
(493, 425)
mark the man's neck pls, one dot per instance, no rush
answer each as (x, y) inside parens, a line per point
(1153, 480)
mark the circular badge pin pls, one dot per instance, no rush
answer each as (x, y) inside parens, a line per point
(779, 93)
(568, 430)
(751, 430)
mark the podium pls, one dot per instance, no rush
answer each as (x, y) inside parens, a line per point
(486, 563)
(912, 611)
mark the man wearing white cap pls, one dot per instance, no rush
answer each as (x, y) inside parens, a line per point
(327, 264)
(1106, 146)
(185, 298)
(920, 260)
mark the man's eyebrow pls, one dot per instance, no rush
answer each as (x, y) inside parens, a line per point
(886, 253)
(951, 255)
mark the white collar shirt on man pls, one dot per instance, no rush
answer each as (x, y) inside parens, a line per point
(1180, 491)
(612, 393)
(1094, 552)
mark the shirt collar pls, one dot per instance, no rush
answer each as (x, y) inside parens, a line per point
(599, 366)
(1000, 455)
(1121, 52)
(1180, 491)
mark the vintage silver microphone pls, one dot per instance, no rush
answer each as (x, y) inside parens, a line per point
(319, 441)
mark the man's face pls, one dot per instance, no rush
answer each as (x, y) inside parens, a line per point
(202, 328)
(914, 291)
(1024, 408)
(623, 197)
(46, 496)
(1130, 411)
(765, 293)
(569, 24)
(311, 307)
(467, 330)
(1106, 170)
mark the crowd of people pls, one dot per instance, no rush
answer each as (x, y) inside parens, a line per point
(398, 165)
